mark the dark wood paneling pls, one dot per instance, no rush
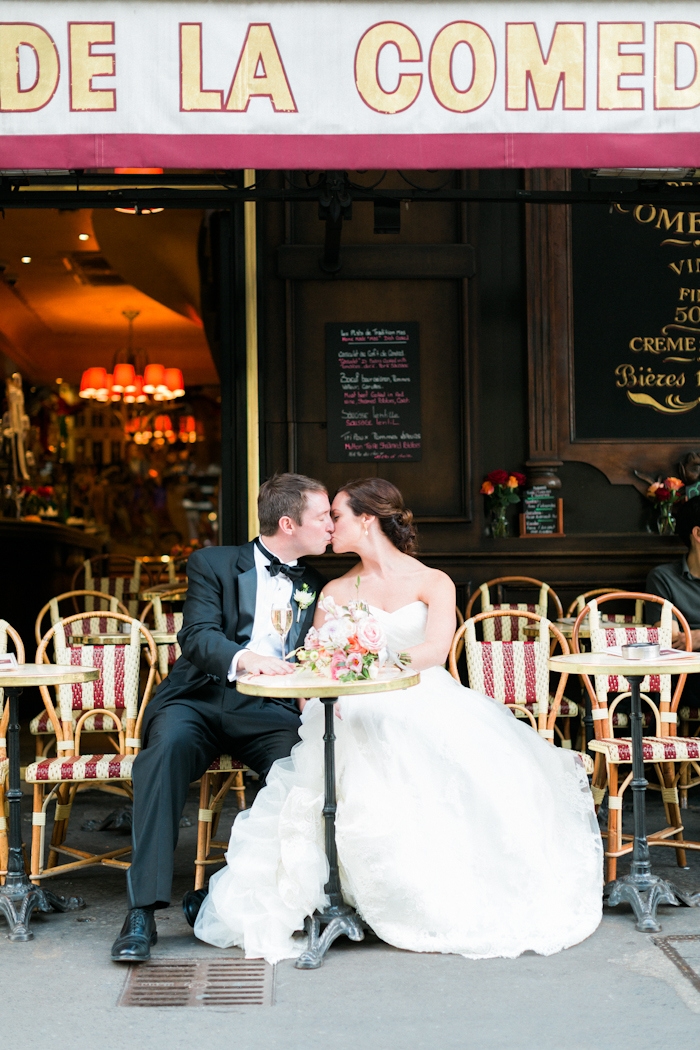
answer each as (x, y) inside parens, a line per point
(302, 262)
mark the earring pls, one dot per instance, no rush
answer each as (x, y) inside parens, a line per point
(366, 531)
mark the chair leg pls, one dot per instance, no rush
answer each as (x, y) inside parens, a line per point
(669, 793)
(239, 788)
(37, 833)
(4, 845)
(203, 831)
(64, 801)
(614, 825)
(683, 784)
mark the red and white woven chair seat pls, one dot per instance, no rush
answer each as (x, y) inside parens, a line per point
(103, 624)
(118, 685)
(97, 723)
(655, 749)
(508, 628)
(121, 587)
(226, 764)
(605, 635)
(169, 623)
(567, 708)
(80, 768)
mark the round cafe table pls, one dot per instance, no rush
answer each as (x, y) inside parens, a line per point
(177, 592)
(339, 918)
(566, 625)
(641, 889)
(18, 897)
(159, 637)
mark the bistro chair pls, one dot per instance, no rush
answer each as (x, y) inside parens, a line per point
(6, 633)
(666, 751)
(165, 621)
(579, 602)
(516, 673)
(93, 623)
(113, 574)
(115, 695)
(510, 628)
(224, 774)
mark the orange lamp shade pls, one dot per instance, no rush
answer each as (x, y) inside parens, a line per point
(174, 382)
(152, 377)
(161, 426)
(93, 379)
(124, 376)
(187, 424)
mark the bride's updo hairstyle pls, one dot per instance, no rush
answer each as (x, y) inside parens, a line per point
(383, 500)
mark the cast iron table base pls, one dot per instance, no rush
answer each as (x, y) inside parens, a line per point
(641, 889)
(18, 897)
(339, 918)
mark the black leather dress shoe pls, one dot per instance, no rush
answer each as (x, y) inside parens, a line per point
(191, 903)
(137, 936)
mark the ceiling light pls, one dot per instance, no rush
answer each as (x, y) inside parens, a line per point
(59, 381)
(83, 236)
(26, 258)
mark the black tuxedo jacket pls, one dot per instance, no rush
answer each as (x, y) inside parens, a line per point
(218, 622)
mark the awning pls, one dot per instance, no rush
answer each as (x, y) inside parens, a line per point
(338, 85)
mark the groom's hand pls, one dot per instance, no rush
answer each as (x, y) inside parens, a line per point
(252, 663)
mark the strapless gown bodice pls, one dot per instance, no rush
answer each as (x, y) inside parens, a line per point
(459, 829)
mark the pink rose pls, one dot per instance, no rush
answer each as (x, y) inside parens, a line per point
(338, 666)
(354, 663)
(311, 641)
(370, 635)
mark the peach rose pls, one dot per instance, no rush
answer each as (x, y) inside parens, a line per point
(486, 489)
(673, 484)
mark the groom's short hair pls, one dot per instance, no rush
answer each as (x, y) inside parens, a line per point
(284, 496)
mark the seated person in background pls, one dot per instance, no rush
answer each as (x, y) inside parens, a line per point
(679, 581)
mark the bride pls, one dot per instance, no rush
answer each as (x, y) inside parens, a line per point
(459, 829)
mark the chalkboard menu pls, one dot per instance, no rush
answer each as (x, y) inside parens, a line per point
(636, 276)
(542, 514)
(373, 391)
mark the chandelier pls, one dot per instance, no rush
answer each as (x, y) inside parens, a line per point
(131, 381)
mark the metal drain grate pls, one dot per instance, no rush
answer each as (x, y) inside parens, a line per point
(683, 949)
(199, 982)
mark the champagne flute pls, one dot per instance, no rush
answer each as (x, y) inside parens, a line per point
(282, 617)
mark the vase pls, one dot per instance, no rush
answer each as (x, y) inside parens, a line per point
(499, 523)
(666, 523)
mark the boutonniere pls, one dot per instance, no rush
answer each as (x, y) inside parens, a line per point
(304, 598)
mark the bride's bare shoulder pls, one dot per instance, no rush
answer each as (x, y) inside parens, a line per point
(342, 585)
(435, 582)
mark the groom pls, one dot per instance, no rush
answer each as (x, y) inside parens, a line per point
(197, 713)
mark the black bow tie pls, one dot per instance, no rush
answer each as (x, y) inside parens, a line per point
(292, 572)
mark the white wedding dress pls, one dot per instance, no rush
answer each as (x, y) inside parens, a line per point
(459, 829)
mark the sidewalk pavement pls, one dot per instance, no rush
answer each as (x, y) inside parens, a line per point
(617, 989)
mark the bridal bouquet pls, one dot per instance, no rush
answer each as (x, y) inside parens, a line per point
(351, 644)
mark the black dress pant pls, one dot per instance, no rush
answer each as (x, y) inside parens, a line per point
(181, 739)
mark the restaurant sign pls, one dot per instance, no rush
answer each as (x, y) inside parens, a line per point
(325, 83)
(636, 285)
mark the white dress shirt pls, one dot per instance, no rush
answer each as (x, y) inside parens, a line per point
(270, 591)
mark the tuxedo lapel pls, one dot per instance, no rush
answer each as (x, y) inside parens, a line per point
(247, 590)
